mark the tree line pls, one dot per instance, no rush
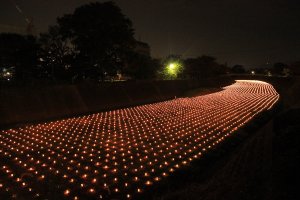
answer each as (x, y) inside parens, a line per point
(97, 42)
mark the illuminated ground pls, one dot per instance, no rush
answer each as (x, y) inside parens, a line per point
(121, 153)
(200, 92)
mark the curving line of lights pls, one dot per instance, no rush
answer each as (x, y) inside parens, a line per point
(123, 151)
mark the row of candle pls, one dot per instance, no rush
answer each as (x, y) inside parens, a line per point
(125, 150)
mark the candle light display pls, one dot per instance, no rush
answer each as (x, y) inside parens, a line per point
(123, 151)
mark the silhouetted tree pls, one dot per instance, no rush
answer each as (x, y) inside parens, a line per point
(21, 53)
(259, 71)
(172, 67)
(279, 68)
(56, 52)
(101, 34)
(294, 68)
(141, 66)
(238, 69)
(200, 67)
(222, 70)
(192, 68)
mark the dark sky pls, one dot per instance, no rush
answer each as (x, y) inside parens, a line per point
(247, 32)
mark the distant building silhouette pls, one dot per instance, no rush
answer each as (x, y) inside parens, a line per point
(142, 48)
(17, 30)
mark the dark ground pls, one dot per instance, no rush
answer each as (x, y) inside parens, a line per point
(265, 166)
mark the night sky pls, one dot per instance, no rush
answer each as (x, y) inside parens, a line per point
(247, 32)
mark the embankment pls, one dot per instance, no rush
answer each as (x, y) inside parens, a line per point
(263, 166)
(22, 105)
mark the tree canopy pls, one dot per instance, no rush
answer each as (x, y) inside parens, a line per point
(20, 53)
(238, 69)
(56, 52)
(294, 69)
(101, 34)
(280, 68)
(97, 40)
(141, 66)
(172, 67)
(202, 66)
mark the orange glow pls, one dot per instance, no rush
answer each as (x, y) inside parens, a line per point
(67, 192)
(130, 145)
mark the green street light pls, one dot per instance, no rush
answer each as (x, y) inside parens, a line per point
(171, 66)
